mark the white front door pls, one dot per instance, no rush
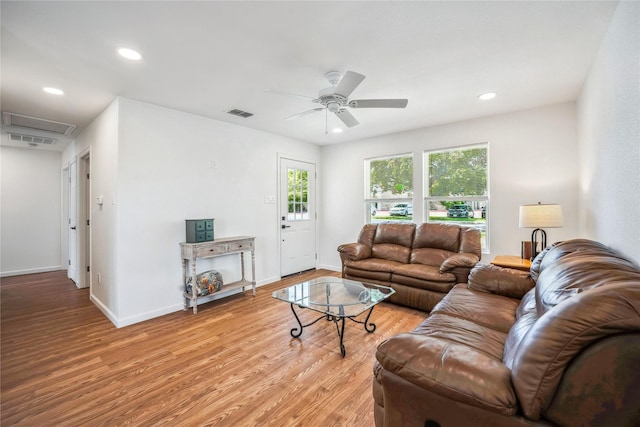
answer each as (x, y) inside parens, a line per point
(297, 216)
(72, 271)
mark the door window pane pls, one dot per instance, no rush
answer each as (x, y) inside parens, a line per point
(298, 190)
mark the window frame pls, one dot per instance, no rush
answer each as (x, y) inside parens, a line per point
(428, 199)
(369, 200)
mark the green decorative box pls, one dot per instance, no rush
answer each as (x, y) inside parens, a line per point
(199, 230)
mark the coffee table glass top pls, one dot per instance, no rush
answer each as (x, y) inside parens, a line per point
(334, 296)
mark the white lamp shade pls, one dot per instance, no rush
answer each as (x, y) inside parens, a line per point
(541, 216)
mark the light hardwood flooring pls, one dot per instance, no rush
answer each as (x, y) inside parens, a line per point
(232, 364)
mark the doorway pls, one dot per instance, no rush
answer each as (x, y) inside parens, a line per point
(297, 216)
(72, 222)
(79, 221)
(84, 221)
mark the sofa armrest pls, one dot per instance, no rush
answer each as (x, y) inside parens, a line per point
(449, 369)
(459, 260)
(354, 251)
(507, 282)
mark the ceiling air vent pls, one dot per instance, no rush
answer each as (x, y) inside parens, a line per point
(240, 113)
(12, 119)
(32, 139)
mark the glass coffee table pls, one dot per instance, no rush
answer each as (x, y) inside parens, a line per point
(337, 299)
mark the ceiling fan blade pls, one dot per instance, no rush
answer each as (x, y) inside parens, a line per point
(347, 118)
(348, 83)
(378, 103)
(305, 113)
(279, 92)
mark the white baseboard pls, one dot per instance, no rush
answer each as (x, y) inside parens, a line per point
(103, 308)
(331, 267)
(141, 317)
(31, 271)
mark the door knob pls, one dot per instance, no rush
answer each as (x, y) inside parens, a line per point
(73, 228)
(285, 226)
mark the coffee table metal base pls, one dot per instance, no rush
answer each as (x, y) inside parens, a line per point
(337, 320)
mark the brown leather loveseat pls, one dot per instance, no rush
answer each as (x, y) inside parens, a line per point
(421, 263)
(496, 353)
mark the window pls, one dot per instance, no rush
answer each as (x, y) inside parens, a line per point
(389, 187)
(297, 194)
(456, 187)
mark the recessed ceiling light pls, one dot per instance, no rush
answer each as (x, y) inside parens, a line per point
(487, 96)
(130, 54)
(53, 90)
(336, 130)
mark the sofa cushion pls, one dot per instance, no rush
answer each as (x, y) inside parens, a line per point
(489, 310)
(429, 256)
(502, 281)
(397, 234)
(551, 254)
(578, 272)
(367, 234)
(437, 236)
(480, 338)
(424, 272)
(391, 252)
(393, 242)
(451, 369)
(563, 332)
(371, 268)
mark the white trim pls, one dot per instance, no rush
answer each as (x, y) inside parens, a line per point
(33, 271)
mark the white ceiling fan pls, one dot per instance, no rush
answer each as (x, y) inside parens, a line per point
(335, 99)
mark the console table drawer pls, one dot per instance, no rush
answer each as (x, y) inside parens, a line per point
(205, 251)
(241, 245)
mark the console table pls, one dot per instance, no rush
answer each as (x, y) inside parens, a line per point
(191, 252)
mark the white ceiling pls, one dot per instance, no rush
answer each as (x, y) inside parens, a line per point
(206, 57)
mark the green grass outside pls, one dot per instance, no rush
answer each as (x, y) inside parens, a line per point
(433, 218)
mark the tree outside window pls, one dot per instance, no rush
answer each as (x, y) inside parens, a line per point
(390, 188)
(456, 187)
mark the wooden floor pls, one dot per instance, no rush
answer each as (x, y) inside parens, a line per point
(233, 364)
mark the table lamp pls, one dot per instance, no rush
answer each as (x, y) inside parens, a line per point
(538, 216)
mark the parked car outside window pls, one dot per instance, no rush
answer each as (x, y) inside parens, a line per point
(460, 211)
(401, 209)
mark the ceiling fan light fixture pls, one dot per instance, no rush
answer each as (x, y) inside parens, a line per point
(337, 130)
(487, 96)
(129, 54)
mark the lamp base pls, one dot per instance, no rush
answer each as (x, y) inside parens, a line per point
(534, 243)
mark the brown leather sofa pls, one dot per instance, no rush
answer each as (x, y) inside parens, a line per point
(494, 353)
(421, 263)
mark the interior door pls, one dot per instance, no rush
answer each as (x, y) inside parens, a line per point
(297, 216)
(72, 271)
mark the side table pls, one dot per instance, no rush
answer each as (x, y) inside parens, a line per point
(512, 261)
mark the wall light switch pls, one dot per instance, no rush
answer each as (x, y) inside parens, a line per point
(100, 200)
(269, 199)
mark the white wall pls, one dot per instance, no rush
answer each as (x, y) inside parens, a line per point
(532, 159)
(31, 201)
(609, 137)
(164, 176)
(100, 139)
